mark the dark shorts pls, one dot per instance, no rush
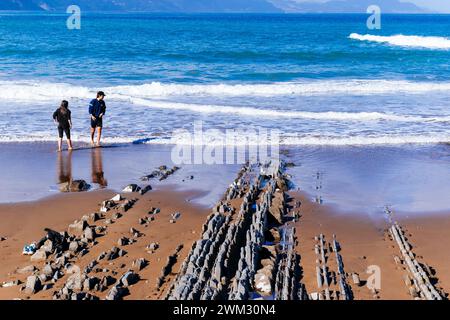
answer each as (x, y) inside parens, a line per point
(97, 123)
(62, 130)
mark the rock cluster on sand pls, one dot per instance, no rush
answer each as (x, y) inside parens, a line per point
(231, 260)
(419, 283)
(161, 173)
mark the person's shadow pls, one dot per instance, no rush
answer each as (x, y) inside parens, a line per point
(64, 167)
(98, 175)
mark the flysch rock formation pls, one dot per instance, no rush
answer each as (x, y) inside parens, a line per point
(246, 250)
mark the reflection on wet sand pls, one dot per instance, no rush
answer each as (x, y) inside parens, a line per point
(64, 167)
(98, 175)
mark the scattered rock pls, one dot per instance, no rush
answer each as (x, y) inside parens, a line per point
(116, 293)
(124, 241)
(27, 269)
(33, 285)
(90, 283)
(117, 198)
(129, 279)
(107, 205)
(131, 188)
(77, 228)
(10, 284)
(153, 246)
(39, 256)
(140, 264)
(176, 216)
(356, 280)
(145, 189)
(74, 186)
(135, 233)
(89, 234)
(73, 246)
(117, 215)
(48, 271)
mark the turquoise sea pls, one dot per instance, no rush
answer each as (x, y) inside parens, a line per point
(319, 79)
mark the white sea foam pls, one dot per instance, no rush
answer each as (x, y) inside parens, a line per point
(210, 139)
(406, 41)
(36, 91)
(255, 112)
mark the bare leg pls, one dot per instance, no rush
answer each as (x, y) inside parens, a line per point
(99, 135)
(59, 144)
(92, 136)
(69, 143)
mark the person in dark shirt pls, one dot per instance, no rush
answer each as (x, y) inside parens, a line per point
(97, 109)
(63, 119)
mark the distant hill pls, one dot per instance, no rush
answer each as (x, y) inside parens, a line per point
(263, 6)
(347, 6)
(145, 5)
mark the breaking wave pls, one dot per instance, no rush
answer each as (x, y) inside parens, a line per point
(406, 41)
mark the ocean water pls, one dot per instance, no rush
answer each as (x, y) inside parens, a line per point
(318, 79)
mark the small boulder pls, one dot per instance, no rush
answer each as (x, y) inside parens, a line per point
(131, 188)
(139, 264)
(33, 285)
(117, 198)
(145, 189)
(129, 279)
(74, 186)
(77, 227)
(39, 256)
(73, 246)
(116, 293)
(27, 269)
(89, 234)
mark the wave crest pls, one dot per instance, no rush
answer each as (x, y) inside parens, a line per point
(406, 41)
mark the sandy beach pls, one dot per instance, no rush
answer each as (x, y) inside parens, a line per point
(160, 230)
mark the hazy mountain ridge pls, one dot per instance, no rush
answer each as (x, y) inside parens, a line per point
(264, 6)
(145, 5)
(347, 6)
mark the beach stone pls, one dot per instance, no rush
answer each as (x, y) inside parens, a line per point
(91, 218)
(356, 280)
(2, 239)
(75, 281)
(74, 186)
(39, 256)
(89, 234)
(77, 227)
(117, 198)
(117, 215)
(107, 205)
(131, 188)
(33, 285)
(135, 233)
(73, 246)
(27, 269)
(140, 264)
(123, 241)
(145, 189)
(116, 293)
(153, 246)
(90, 283)
(129, 278)
(48, 271)
(142, 221)
(106, 281)
(176, 216)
